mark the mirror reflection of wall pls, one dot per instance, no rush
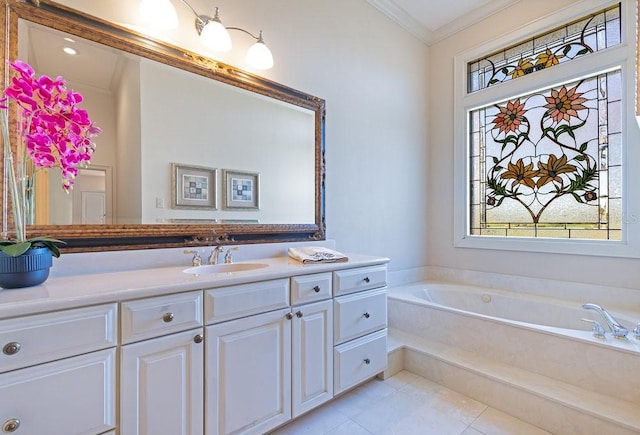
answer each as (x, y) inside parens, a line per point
(153, 115)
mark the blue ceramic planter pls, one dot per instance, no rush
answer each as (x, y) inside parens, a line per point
(26, 270)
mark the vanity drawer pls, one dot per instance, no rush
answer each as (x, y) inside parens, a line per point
(152, 317)
(355, 280)
(71, 396)
(358, 314)
(359, 360)
(310, 288)
(226, 303)
(30, 340)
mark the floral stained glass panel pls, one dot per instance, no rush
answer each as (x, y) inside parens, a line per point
(580, 38)
(545, 165)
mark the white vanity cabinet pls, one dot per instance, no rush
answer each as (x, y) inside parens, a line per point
(312, 341)
(360, 316)
(57, 372)
(162, 365)
(264, 369)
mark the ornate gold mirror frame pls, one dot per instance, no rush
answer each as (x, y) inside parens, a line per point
(80, 238)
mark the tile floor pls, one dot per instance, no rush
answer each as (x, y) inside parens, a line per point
(406, 404)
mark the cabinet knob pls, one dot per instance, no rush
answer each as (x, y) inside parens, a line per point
(11, 348)
(366, 279)
(366, 315)
(10, 426)
(198, 339)
(289, 316)
(316, 289)
(367, 361)
(168, 317)
(299, 314)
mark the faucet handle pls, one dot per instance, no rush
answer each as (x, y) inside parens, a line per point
(228, 258)
(636, 331)
(597, 329)
(196, 261)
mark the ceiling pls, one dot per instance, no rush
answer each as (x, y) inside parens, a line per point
(433, 20)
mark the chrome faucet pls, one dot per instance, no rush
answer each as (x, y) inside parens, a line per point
(196, 261)
(213, 258)
(228, 258)
(617, 330)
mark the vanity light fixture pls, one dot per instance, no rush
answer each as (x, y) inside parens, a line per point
(160, 12)
(215, 36)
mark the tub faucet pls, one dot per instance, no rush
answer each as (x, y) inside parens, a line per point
(617, 330)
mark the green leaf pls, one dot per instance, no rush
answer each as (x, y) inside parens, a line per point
(16, 249)
(580, 158)
(577, 198)
(583, 51)
(583, 147)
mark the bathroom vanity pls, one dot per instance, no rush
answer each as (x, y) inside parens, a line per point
(160, 351)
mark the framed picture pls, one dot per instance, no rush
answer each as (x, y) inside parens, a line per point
(240, 190)
(193, 187)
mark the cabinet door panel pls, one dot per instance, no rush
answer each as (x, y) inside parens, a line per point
(248, 374)
(70, 396)
(161, 386)
(312, 355)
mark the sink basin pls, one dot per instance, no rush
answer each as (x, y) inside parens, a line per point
(224, 268)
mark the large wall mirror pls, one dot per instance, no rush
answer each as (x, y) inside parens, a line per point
(192, 150)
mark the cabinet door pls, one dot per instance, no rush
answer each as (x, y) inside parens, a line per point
(248, 374)
(70, 396)
(312, 345)
(161, 385)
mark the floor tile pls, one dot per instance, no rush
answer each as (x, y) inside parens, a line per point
(494, 422)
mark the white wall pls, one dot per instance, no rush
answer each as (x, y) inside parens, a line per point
(373, 76)
(441, 251)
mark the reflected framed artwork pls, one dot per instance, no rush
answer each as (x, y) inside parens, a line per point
(193, 187)
(241, 190)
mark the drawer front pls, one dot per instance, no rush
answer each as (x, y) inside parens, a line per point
(358, 314)
(359, 360)
(71, 396)
(310, 288)
(153, 317)
(233, 302)
(30, 340)
(355, 280)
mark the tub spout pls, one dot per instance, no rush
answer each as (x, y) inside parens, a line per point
(617, 330)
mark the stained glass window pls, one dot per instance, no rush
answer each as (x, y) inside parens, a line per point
(580, 38)
(549, 163)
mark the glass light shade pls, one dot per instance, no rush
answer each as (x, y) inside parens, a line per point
(215, 37)
(259, 56)
(159, 13)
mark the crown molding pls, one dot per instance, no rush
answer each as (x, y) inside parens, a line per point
(414, 27)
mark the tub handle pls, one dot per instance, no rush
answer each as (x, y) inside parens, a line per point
(636, 331)
(597, 329)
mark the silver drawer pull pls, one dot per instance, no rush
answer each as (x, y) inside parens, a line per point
(366, 315)
(299, 314)
(367, 361)
(10, 426)
(316, 289)
(168, 317)
(366, 279)
(198, 339)
(289, 316)
(11, 348)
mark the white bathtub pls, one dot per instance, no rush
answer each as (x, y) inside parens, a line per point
(523, 333)
(534, 310)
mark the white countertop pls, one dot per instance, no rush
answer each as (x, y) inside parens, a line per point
(91, 289)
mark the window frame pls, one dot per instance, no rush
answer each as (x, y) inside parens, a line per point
(623, 56)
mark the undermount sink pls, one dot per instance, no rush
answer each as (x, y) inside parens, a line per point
(224, 268)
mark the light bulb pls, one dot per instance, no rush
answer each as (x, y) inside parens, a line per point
(259, 56)
(159, 13)
(215, 36)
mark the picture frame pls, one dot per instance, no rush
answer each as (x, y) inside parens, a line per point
(193, 187)
(241, 190)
